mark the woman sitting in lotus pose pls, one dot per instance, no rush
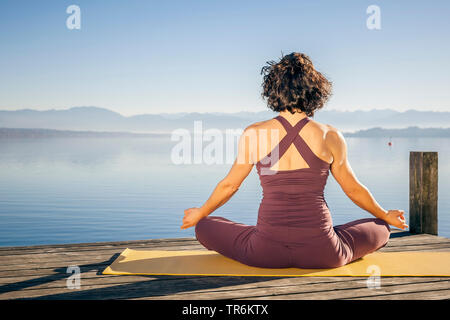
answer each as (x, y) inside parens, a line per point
(294, 227)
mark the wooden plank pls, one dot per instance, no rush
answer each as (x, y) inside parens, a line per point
(352, 293)
(74, 257)
(92, 279)
(441, 247)
(135, 290)
(93, 244)
(438, 294)
(229, 288)
(293, 284)
(6, 251)
(336, 290)
(59, 284)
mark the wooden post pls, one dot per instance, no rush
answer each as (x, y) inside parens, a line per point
(423, 192)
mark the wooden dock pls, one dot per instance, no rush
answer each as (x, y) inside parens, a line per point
(40, 272)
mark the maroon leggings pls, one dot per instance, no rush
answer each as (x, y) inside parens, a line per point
(344, 243)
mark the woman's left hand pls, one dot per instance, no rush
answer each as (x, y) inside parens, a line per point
(191, 217)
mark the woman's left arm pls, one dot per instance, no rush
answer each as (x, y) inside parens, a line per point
(227, 186)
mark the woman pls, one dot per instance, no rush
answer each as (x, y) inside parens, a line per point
(294, 227)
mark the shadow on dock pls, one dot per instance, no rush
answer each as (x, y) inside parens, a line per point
(155, 286)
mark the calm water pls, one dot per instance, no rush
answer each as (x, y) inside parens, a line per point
(69, 190)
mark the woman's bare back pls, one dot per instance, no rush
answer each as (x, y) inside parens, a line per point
(314, 133)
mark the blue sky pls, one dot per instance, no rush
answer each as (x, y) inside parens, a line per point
(137, 57)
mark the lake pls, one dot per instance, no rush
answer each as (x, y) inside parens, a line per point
(72, 190)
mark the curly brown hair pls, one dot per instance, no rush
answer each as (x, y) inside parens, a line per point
(294, 84)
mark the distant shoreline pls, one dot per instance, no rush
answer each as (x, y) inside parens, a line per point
(409, 132)
(53, 133)
(377, 132)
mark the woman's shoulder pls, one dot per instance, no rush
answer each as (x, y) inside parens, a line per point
(332, 136)
(265, 124)
(325, 128)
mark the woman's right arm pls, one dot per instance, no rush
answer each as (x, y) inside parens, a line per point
(352, 187)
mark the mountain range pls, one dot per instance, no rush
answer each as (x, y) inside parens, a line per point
(101, 119)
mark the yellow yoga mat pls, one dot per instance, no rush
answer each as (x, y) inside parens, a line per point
(210, 263)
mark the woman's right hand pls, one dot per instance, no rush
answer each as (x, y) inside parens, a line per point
(396, 218)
